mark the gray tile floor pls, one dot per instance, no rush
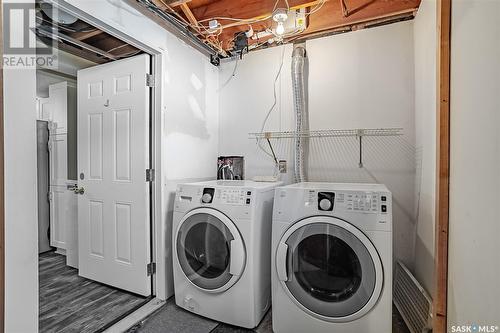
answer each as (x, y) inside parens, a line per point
(70, 303)
(172, 319)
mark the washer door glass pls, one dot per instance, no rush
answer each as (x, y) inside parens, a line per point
(204, 250)
(331, 272)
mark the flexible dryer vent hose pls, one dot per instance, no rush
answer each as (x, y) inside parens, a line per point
(301, 114)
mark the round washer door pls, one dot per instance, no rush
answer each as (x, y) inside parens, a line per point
(329, 268)
(210, 250)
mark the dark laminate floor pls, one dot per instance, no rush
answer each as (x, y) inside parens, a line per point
(172, 319)
(70, 303)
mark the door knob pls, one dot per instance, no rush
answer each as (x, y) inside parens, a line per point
(80, 190)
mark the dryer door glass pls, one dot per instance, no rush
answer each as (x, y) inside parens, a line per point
(203, 250)
(331, 271)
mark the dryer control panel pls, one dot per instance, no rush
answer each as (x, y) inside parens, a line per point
(367, 206)
(350, 201)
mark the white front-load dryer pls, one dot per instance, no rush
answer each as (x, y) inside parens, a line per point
(332, 258)
(222, 249)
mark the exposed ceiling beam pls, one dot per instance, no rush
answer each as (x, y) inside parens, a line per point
(232, 8)
(169, 24)
(269, 14)
(54, 34)
(189, 14)
(165, 4)
(345, 11)
(329, 18)
(87, 35)
(175, 3)
(323, 16)
(386, 19)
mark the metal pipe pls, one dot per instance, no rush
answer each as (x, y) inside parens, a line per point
(299, 61)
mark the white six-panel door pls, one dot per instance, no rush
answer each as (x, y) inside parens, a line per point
(113, 155)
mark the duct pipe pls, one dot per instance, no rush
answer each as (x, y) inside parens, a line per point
(299, 82)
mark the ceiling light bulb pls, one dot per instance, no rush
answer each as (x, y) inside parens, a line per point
(280, 15)
(280, 29)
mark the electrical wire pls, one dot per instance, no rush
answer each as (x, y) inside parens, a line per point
(231, 76)
(316, 8)
(197, 27)
(247, 20)
(214, 34)
(275, 101)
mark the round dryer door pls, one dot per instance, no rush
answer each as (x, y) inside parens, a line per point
(329, 268)
(210, 250)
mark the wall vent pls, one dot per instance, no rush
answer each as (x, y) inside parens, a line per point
(412, 301)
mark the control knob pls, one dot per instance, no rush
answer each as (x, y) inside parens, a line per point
(325, 204)
(206, 198)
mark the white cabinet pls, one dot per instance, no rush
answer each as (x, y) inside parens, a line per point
(56, 109)
(58, 159)
(59, 197)
(63, 221)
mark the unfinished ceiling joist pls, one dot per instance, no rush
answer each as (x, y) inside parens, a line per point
(147, 8)
(87, 35)
(56, 35)
(189, 20)
(345, 11)
(175, 3)
(321, 18)
(189, 14)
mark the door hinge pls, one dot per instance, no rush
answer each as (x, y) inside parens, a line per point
(150, 80)
(49, 196)
(150, 175)
(151, 268)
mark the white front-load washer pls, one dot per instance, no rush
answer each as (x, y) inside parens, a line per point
(332, 258)
(222, 250)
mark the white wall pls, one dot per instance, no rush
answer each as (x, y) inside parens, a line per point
(474, 264)
(189, 83)
(424, 31)
(362, 79)
(21, 227)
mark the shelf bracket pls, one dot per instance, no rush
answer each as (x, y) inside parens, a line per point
(360, 136)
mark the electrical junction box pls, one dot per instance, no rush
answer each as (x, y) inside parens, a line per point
(282, 166)
(296, 22)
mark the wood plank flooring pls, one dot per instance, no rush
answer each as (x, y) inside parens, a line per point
(70, 303)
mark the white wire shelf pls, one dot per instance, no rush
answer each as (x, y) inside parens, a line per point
(356, 133)
(360, 132)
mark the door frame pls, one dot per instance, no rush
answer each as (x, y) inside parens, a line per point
(442, 199)
(2, 187)
(157, 251)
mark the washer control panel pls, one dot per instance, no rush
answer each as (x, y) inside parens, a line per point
(234, 196)
(362, 202)
(229, 196)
